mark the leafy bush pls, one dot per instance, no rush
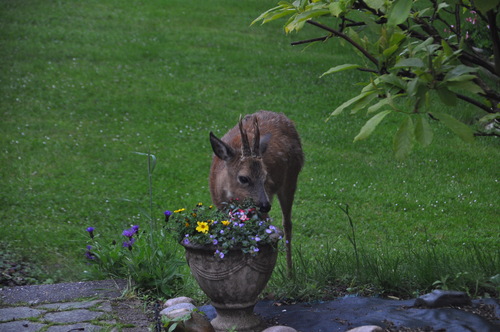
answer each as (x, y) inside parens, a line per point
(148, 259)
(413, 51)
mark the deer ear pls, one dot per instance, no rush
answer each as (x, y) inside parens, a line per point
(264, 140)
(221, 149)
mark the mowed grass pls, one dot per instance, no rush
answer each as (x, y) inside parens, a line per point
(86, 84)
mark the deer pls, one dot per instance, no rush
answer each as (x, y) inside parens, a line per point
(259, 158)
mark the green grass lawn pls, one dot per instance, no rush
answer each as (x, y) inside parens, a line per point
(86, 84)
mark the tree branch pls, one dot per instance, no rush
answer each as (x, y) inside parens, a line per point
(322, 39)
(475, 103)
(495, 39)
(479, 133)
(347, 38)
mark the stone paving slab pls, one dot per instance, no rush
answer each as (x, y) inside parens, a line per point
(7, 314)
(75, 327)
(62, 292)
(72, 316)
(101, 305)
(81, 306)
(21, 325)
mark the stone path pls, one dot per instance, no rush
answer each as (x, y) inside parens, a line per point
(100, 306)
(83, 306)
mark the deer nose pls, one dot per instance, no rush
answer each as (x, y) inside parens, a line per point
(266, 207)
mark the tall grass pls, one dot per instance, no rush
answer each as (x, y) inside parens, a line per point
(84, 84)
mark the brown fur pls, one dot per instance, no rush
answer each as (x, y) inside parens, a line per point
(272, 169)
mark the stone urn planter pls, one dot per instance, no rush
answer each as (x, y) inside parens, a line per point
(233, 283)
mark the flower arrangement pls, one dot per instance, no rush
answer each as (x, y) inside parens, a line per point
(239, 224)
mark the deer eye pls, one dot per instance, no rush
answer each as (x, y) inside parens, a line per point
(243, 179)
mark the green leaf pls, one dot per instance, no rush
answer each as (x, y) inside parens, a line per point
(370, 125)
(378, 105)
(336, 8)
(442, 5)
(277, 15)
(390, 50)
(311, 13)
(423, 45)
(447, 97)
(152, 163)
(446, 48)
(392, 79)
(351, 101)
(423, 131)
(266, 14)
(410, 62)
(465, 85)
(489, 117)
(485, 5)
(417, 88)
(460, 129)
(375, 4)
(403, 140)
(340, 68)
(462, 78)
(362, 103)
(400, 12)
(459, 70)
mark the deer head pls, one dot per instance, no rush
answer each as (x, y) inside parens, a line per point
(244, 174)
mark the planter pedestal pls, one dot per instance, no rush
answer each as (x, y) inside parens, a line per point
(233, 283)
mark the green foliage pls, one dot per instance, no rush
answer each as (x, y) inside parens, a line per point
(147, 258)
(412, 50)
(405, 271)
(239, 224)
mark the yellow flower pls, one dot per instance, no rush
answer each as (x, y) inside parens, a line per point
(180, 210)
(199, 204)
(226, 222)
(202, 227)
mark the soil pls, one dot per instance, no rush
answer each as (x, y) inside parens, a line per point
(133, 312)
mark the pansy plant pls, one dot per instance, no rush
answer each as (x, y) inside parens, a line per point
(239, 224)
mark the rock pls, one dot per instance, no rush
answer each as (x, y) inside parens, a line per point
(280, 328)
(367, 328)
(187, 306)
(196, 322)
(440, 298)
(177, 300)
(175, 313)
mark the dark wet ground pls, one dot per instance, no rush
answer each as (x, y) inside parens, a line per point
(393, 315)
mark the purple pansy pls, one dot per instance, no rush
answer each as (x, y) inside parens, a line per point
(128, 244)
(167, 214)
(91, 231)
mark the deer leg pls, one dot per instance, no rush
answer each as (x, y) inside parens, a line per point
(285, 197)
